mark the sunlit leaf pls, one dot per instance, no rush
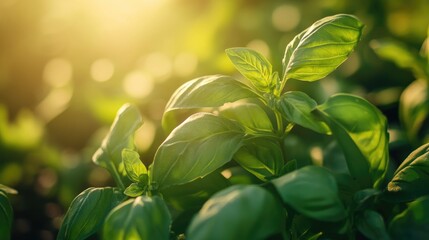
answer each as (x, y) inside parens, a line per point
(296, 107)
(208, 91)
(7, 189)
(411, 179)
(401, 55)
(361, 131)
(197, 147)
(140, 218)
(414, 110)
(321, 48)
(238, 212)
(133, 165)
(313, 192)
(6, 216)
(253, 66)
(87, 212)
(134, 190)
(371, 225)
(121, 135)
(250, 115)
(262, 157)
(413, 222)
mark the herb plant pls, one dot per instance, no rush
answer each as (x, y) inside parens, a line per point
(223, 173)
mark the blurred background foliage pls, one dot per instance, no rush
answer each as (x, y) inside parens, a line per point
(67, 66)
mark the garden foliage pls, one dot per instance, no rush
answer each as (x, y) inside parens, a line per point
(223, 173)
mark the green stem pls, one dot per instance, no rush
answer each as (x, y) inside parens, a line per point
(115, 174)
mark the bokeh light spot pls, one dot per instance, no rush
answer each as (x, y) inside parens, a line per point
(58, 72)
(158, 65)
(102, 70)
(260, 46)
(145, 135)
(137, 84)
(286, 17)
(185, 64)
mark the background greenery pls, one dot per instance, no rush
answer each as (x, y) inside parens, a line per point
(67, 66)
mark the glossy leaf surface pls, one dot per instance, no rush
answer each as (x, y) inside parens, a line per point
(197, 147)
(313, 192)
(121, 135)
(262, 157)
(361, 131)
(87, 212)
(321, 48)
(411, 179)
(238, 212)
(140, 218)
(296, 107)
(208, 91)
(133, 165)
(250, 115)
(253, 66)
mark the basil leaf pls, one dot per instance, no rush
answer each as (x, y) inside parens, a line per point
(133, 165)
(254, 67)
(371, 225)
(361, 131)
(121, 135)
(321, 48)
(134, 190)
(296, 107)
(238, 212)
(250, 115)
(140, 218)
(411, 179)
(6, 215)
(88, 211)
(414, 110)
(208, 91)
(262, 157)
(413, 222)
(401, 55)
(201, 144)
(313, 192)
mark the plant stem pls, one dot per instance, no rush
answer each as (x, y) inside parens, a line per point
(115, 174)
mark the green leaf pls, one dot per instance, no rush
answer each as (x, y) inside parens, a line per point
(134, 190)
(361, 131)
(208, 91)
(6, 215)
(133, 165)
(7, 189)
(140, 218)
(411, 179)
(313, 192)
(296, 107)
(194, 194)
(321, 48)
(371, 225)
(413, 222)
(121, 135)
(261, 156)
(250, 115)
(88, 211)
(254, 67)
(414, 110)
(401, 55)
(238, 212)
(201, 144)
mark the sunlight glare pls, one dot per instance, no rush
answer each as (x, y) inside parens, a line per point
(286, 17)
(58, 72)
(138, 84)
(102, 70)
(185, 64)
